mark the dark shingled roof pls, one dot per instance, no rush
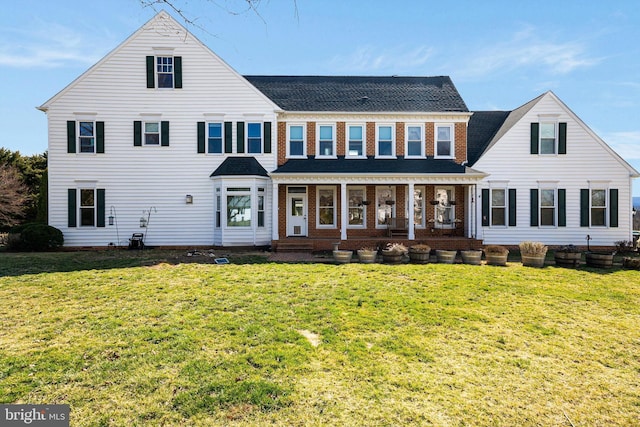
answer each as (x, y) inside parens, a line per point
(370, 165)
(240, 166)
(483, 125)
(361, 94)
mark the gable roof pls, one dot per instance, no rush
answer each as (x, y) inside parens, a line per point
(240, 166)
(361, 94)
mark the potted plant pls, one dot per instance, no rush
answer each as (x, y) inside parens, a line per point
(567, 256)
(472, 256)
(341, 256)
(367, 255)
(393, 253)
(599, 259)
(496, 255)
(446, 257)
(419, 254)
(533, 253)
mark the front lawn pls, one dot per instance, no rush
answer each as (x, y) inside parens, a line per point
(174, 344)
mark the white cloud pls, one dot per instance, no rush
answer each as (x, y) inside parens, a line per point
(528, 49)
(370, 59)
(626, 144)
(49, 46)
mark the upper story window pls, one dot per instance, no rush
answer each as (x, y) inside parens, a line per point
(326, 141)
(151, 133)
(356, 141)
(296, 141)
(164, 70)
(444, 141)
(414, 143)
(254, 137)
(549, 137)
(215, 137)
(385, 141)
(86, 137)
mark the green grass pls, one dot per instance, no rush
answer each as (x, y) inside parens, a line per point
(141, 339)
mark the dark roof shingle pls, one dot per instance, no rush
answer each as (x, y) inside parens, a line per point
(240, 166)
(370, 165)
(361, 94)
(483, 125)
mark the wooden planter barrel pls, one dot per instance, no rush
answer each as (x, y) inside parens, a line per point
(418, 256)
(471, 257)
(533, 260)
(567, 259)
(342, 257)
(367, 257)
(446, 257)
(599, 260)
(496, 259)
(392, 257)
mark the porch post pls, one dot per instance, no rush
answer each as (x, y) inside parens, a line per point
(412, 234)
(274, 211)
(344, 211)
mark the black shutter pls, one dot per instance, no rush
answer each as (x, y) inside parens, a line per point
(613, 207)
(100, 202)
(71, 136)
(562, 207)
(151, 74)
(228, 137)
(584, 207)
(177, 72)
(485, 207)
(535, 127)
(240, 136)
(512, 207)
(137, 134)
(71, 207)
(534, 207)
(562, 138)
(267, 137)
(201, 137)
(164, 134)
(99, 137)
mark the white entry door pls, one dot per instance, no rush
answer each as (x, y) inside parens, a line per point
(297, 214)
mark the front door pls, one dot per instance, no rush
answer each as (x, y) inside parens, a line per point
(296, 215)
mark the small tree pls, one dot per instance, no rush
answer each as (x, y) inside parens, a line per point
(14, 196)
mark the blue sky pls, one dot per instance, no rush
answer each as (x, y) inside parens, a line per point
(500, 54)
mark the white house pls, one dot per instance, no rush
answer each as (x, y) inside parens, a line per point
(162, 137)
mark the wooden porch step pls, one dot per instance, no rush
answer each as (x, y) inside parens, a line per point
(295, 246)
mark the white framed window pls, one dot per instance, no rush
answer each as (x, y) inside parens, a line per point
(296, 146)
(254, 138)
(598, 207)
(444, 206)
(548, 207)
(444, 147)
(357, 209)
(356, 141)
(326, 141)
(215, 137)
(385, 140)
(87, 137)
(548, 138)
(326, 206)
(238, 207)
(87, 207)
(414, 144)
(218, 207)
(418, 206)
(385, 205)
(164, 71)
(498, 207)
(151, 133)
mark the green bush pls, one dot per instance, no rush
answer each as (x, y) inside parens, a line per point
(34, 237)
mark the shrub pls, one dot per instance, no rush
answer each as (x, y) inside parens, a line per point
(35, 237)
(397, 248)
(420, 248)
(533, 248)
(496, 249)
(569, 249)
(624, 246)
